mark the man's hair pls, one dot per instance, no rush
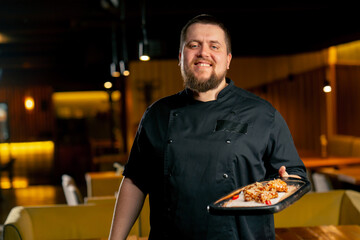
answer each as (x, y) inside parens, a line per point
(206, 19)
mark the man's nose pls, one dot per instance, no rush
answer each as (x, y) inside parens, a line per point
(204, 51)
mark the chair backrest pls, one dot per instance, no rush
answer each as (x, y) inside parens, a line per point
(321, 182)
(313, 209)
(356, 147)
(71, 191)
(119, 168)
(340, 145)
(60, 221)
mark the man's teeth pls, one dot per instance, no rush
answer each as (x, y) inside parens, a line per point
(203, 64)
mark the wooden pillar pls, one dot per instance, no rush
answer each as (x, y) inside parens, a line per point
(331, 107)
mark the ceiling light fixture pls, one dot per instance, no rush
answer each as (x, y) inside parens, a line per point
(115, 69)
(124, 68)
(144, 43)
(143, 51)
(114, 66)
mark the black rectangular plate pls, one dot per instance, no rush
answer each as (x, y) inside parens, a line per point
(218, 208)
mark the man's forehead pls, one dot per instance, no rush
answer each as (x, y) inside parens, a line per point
(205, 30)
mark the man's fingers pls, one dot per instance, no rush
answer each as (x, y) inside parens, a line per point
(282, 172)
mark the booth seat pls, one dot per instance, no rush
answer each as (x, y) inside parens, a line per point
(58, 222)
(336, 207)
(102, 183)
(84, 221)
(337, 146)
(142, 225)
(343, 146)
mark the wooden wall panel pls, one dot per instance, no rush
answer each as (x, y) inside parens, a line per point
(348, 99)
(25, 125)
(148, 82)
(250, 72)
(302, 104)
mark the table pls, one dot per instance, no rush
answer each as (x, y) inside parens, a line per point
(316, 162)
(341, 232)
(323, 166)
(348, 174)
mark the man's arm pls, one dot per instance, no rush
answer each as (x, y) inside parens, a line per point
(283, 157)
(129, 202)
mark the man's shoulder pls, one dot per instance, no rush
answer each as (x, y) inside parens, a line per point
(166, 104)
(252, 99)
(170, 101)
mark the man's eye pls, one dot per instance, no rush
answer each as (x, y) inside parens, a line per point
(193, 45)
(215, 47)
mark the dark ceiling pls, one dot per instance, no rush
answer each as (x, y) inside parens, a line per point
(69, 41)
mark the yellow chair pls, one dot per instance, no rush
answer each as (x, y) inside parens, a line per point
(337, 207)
(58, 222)
(71, 191)
(85, 221)
(102, 183)
(356, 148)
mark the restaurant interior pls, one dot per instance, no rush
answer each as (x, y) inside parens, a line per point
(73, 89)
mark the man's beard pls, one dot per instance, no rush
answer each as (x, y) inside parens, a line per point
(193, 83)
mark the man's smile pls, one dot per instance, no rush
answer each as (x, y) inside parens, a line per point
(203, 64)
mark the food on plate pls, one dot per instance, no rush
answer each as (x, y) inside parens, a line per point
(260, 197)
(277, 184)
(264, 193)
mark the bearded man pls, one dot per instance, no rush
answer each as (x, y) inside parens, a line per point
(196, 146)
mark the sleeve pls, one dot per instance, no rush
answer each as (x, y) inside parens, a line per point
(136, 167)
(281, 151)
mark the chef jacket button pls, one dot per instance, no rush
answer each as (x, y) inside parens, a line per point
(228, 141)
(175, 114)
(170, 140)
(225, 175)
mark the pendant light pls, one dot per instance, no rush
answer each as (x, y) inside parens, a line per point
(144, 43)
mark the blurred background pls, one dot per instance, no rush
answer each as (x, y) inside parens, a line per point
(73, 88)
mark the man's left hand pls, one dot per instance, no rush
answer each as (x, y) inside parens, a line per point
(283, 173)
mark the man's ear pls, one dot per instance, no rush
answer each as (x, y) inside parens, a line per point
(229, 57)
(179, 58)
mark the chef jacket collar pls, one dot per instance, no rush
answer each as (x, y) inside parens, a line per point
(189, 93)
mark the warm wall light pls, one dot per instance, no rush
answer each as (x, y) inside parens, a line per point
(27, 155)
(327, 87)
(4, 38)
(116, 95)
(29, 103)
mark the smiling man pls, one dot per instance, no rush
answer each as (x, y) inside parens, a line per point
(194, 147)
(204, 58)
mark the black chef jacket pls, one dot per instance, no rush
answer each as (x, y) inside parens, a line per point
(187, 154)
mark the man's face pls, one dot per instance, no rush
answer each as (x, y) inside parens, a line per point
(204, 59)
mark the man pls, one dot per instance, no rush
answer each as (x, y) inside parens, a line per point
(198, 145)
